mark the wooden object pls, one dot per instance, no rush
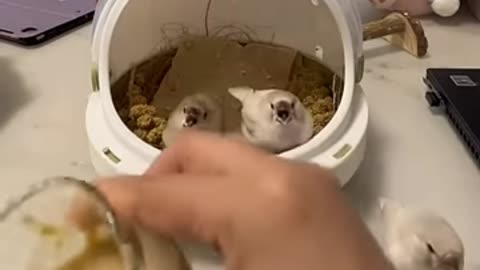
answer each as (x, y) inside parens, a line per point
(401, 30)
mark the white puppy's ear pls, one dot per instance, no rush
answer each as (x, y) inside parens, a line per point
(385, 203)
(388, 206)
(241, 92)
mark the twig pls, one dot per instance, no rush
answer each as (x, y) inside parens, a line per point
(334, 91)
(207, 14)
(131, 82)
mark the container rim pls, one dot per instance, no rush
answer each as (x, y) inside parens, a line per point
(103, 35)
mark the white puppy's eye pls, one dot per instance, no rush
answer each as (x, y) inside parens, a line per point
(272, 106)
(430, 248)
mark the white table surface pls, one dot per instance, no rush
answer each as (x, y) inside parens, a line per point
(413, 155)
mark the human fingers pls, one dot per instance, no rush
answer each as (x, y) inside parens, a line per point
(202, 152)
(175, 205)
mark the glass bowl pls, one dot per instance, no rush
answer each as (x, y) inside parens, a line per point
(63, 223)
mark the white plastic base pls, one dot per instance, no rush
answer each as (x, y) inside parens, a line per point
(351, 144)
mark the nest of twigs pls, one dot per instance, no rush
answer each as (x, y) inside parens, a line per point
(316, 86)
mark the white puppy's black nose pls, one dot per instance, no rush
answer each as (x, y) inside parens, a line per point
(451, 261)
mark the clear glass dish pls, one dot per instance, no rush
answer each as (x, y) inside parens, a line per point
(37, 232)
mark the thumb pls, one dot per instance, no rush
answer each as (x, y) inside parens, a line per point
(176, 205)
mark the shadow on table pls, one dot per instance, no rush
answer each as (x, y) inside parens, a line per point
(388, 48)
(381, 51)
(13, 95)
(366, 186)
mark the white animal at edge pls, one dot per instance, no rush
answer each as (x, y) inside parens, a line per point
(419, 240)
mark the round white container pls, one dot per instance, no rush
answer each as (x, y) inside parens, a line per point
(128, 31)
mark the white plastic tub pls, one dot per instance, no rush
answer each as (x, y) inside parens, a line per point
(128, 31)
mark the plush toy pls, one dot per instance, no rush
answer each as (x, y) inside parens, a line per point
(444, 8)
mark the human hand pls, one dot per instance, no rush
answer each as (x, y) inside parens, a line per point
(261, 211)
